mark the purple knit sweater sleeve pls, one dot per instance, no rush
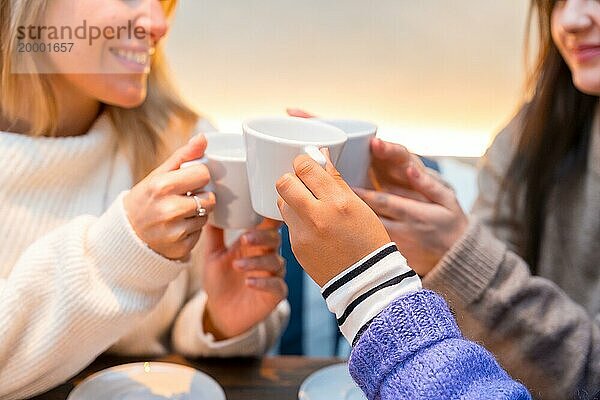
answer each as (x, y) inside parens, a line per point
(414, 350)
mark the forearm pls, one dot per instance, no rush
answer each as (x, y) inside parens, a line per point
(189, 338)
(539, 334)
(70, 296)
(414, 350)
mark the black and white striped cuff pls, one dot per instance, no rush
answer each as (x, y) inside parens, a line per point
(361, 292)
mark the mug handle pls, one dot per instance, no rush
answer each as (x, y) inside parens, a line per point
(314, 153)
(199, 161)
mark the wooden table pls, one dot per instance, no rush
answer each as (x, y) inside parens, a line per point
(270, 378)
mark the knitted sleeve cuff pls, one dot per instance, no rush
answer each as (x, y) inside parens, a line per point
(190, 339)
(468, 268)
(362, 291)
(122, 257)
(411, 323)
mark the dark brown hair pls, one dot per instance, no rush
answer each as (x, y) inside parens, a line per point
(553, 143)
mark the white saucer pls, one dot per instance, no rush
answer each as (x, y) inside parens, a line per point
(333, 382)
(148, 381)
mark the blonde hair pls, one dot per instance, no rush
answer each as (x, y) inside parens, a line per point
(148, 132)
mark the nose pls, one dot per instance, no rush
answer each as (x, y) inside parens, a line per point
(154, 21)
(574, 16)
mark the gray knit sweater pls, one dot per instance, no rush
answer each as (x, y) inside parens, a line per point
(545, 330)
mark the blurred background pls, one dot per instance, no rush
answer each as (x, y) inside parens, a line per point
(438, 76)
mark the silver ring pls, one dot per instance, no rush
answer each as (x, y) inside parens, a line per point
(199, 209)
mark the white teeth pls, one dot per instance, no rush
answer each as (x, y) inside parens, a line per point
(138, 57)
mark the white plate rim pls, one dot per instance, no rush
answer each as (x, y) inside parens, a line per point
(121, 367)
(312, 376)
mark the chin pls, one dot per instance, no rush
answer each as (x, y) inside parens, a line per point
(125, 103)
(131, 103)
(588, 83)
(130, 99)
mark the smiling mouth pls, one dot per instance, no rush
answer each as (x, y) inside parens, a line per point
(139, 57)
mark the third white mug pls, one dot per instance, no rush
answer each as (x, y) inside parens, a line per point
(355, 160)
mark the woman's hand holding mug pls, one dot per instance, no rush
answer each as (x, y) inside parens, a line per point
(161, 212)
(424, 230)
(244, 282)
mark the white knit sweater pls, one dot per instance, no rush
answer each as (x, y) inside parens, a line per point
(75, 280)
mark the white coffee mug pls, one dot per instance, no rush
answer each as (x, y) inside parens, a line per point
(272, 144)
(355, 160)
(225, 158)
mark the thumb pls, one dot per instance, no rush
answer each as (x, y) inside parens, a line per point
(393, 153)
(193, 150)
(394, 156)
(431, 187)
(331, 169)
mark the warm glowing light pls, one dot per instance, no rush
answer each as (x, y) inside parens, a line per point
(439, 77)
(437, 141)
(147, 367)
(428, 141)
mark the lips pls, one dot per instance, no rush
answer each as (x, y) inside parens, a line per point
(586, 53)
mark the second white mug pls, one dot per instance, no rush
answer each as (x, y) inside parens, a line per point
(225, 158)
